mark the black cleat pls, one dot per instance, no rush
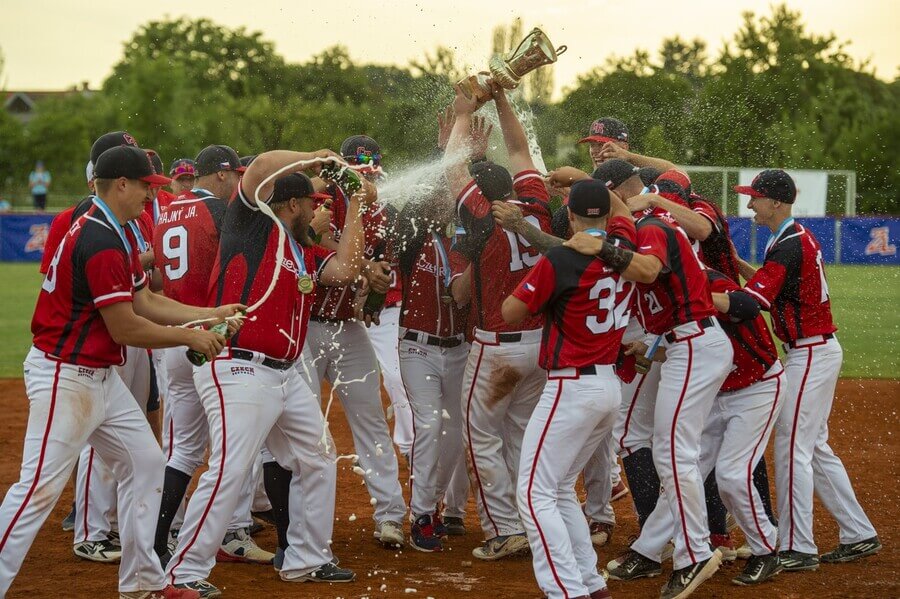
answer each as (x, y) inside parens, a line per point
(633, 565)
(759, 568)
(796, 561)
(850, 552)
(685, 581)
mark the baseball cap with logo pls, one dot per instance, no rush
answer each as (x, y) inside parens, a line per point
(129, 162)
(182, 167)
(676, 176)
(361, 149)
(295, 185)
(606, 129)
(774, 184)
(614, 172)
(589, 198)
(213, 159)
(111, 140)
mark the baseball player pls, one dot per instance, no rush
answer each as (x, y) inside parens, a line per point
(186, 237)
(674, 303)
(502, 380)
(586, 311)
(432, 353)
(339, 349)
(93, 302)
(252, 392)
(791, 285)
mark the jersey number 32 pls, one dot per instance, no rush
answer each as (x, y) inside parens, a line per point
(614, 303)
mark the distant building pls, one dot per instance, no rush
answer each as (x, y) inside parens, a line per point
(23, 104)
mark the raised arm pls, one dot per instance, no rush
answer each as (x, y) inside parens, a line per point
(344, 267)
(270, 162)
(696, 226)
(458, 147)
(513, 133)
(611, 150)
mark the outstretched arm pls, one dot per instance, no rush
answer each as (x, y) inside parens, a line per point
(458, 148)
(271, 162)
(513, 132)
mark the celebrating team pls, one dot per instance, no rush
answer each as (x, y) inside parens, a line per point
(520, 347)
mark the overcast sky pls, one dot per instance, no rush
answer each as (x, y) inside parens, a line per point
(54, 44)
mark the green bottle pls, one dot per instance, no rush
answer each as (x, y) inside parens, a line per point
(198, 359)
(347, 178)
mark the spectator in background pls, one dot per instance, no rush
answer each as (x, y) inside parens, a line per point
(39, 183)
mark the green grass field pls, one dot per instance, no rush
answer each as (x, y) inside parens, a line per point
(865, 300)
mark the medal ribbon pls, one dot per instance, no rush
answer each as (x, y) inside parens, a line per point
(101, 205)
(781, 229)
(446, 262)
(141, 243)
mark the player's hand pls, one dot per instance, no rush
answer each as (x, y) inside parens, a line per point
(641, 202)
(508, 216)
(321, 218)
(498, 92)
(612, 150)
(462, 104)
(564, 176)
(445, 126)
(205, 342)
(378, 275)
(324, 153)
(635, 348)
(369, 318)
(367, 194)
(227, 310)
(585, 244)
(479, 136)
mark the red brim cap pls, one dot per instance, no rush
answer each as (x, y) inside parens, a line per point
(597, 138)
(156, 180)
(180, 175)
(240, 169)
(320, 196)
(749, 191)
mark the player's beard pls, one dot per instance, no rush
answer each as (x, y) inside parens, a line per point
(300, 231)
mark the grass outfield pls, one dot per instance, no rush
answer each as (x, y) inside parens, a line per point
(865, 301)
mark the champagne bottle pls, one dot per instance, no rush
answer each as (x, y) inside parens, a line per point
(198, 359)
(374, 303)
(346, 178)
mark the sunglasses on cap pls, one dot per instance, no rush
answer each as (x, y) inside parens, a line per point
(373, 159)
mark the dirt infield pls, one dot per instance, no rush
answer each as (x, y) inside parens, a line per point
(864, 433)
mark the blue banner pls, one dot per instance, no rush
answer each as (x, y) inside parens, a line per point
(740, 229)
(22, 236)
(870, 240)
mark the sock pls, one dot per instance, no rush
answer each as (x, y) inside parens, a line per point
(643, 482)
(277, 482)
(175, 486)
(761, 482)
(715, 509)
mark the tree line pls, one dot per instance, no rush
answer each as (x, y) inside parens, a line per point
(775, 95)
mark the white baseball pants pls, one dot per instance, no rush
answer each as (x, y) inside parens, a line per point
(384, 338)
(573, 418)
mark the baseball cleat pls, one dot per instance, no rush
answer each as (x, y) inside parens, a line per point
(68, 522)
(632, 565)
(725, 545)
(423, 535)
(390, 534)
(278, 560)
(169, 592)
(849, 552)
(796, 561)
(502, 546)
(759, 568)
(601, 533)
(324, 573)
(237, 546)
(619, 491)
(440, 530)
(685, 581)
(103, 551)
(456, 527)
(743, 552)
(203, 588)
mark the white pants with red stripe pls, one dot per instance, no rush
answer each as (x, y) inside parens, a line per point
(95, 489)
(599, 478)
(733, 441)
(432, 376)
(573, 417)
(697, 362)
(457, 495)
(803, 459)
(249, 404)
(634, 425)
(501, 386)
(384, 339)
(69, 407)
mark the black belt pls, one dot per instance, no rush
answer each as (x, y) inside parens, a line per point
(707, 322)
(272, 363)
(824, 337)
(587, 370)
(444, 342)
(327, 320)
(509, 337)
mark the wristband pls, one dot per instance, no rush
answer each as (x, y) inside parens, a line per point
(616, 258)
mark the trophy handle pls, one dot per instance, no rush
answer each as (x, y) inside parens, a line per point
(561, 49)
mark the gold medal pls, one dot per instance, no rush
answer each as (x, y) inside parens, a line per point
(447, 299)
(305, 284)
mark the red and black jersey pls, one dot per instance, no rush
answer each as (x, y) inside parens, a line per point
(791, 284)
(394, 295)
(243, 271)
(163, 198)
(716, 251)
(186, 239)
(59, 227)
(680, 294)
(501, 259)
(91, 268)
(754, 350)
(336, 303)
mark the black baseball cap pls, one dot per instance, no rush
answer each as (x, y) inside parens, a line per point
(614, 172)
(493, 180)
(361, 149)
(648, 175)
(774, 184)
(129, 162)
(679, 177)
(606, 129)
(247, 160)
(213, 159)
(183, 167)
(295, 185)
(589, 198)
(671, 190)
(156, 161)
(111, 140)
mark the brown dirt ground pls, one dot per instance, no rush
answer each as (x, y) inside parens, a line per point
(864, 433)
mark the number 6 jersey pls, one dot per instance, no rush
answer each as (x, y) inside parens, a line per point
(501, 259)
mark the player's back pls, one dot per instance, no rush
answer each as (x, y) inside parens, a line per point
(186, 239)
